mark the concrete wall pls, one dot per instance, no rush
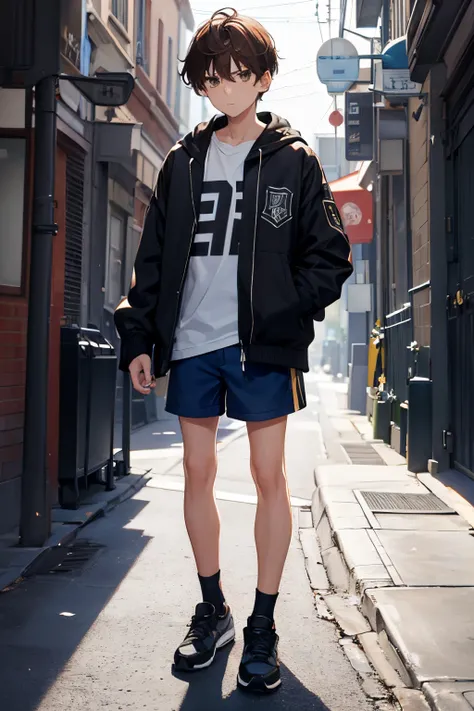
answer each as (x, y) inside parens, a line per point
(419, 212)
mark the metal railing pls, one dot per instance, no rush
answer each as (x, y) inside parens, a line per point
(398, 339)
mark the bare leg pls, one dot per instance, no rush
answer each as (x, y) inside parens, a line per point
(200, 510)
(273, 522)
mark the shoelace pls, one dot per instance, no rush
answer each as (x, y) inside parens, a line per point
(200, 628)
(261, 644)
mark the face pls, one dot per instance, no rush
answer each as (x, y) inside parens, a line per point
(234, 97)
(351, 214)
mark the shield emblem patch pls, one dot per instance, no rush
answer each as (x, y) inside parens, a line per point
(278, 206)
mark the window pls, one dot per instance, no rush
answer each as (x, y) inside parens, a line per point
(120, 11)
(159, 63)
(169, 82)
(114, 287)
(12, 195)
(143, 33)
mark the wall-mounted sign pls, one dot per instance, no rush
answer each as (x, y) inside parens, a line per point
(338, 65)
(391, 72)
(359, 116)
(355, 207)
(394, 82)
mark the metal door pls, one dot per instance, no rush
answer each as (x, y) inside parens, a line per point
(460, 300)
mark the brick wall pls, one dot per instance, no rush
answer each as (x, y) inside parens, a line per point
(13, 322)
(419, 210)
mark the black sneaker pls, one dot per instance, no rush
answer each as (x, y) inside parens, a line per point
(208, 633)
(259, 669)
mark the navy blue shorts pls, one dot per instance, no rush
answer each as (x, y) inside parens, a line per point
(212, 384)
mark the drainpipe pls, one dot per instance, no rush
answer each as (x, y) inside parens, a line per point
(35, 504)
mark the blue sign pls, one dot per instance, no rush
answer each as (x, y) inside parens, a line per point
(338, 65)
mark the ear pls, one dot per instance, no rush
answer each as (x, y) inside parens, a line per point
(265, 82)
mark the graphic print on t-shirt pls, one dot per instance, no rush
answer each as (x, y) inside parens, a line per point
(215, 213)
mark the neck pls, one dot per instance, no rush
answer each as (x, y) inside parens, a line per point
(239, 129)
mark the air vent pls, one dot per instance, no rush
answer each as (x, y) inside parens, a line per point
(362, 453)
(64, 559)
(380, 502)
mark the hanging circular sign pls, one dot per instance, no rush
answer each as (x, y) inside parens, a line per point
(336, 119)
(338, 65)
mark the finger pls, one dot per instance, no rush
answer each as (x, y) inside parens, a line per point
(139, 387)
(147, 373)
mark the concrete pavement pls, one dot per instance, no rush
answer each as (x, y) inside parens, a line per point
(402, 546)
(103, 632)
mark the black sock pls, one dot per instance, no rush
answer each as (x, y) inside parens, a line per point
(212, 591)
(264, 604)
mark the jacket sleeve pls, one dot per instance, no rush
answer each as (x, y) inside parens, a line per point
(134, 316)
(322, 254)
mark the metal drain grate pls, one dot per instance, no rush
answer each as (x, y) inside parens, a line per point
(362, 453)
(65, 559)
(388, 502)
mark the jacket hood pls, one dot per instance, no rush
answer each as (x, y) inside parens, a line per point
(277, 134)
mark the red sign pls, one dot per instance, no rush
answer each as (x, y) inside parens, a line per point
(336, 119)
(355, 205)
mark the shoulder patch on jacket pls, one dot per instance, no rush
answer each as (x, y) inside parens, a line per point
(278, 208)
(332, 214)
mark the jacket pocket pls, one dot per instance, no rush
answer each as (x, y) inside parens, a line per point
(276, 305)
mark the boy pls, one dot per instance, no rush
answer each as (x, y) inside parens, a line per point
(242, 248)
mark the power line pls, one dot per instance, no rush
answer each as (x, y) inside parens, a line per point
(297, 69)
(294, 96)
(291, 86)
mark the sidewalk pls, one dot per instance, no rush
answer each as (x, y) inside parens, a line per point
(401, 547)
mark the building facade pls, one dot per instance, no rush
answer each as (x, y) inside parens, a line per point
(420, 173)
(440, 40)
(107, 161)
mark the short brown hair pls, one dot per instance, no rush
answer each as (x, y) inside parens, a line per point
(226, 36)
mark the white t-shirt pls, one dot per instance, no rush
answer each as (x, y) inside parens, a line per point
(209, 312)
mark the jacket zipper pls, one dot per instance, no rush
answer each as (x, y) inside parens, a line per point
(254, 246)
(190, 246)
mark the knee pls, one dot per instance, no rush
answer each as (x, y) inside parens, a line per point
(269, 479)
(200, 473)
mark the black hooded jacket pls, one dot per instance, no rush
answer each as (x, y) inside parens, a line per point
(293, 253)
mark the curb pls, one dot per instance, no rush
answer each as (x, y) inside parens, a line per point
(62, 538)
(359, 569)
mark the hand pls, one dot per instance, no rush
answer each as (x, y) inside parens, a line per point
(140, 373)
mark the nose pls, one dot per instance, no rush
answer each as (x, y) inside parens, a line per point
(227, 88)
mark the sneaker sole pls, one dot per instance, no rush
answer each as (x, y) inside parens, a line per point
(258, 685)
(183, 664)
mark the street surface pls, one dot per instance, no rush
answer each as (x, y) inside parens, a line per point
(104, 636)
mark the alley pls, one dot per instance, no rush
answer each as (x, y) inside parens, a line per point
(104, 636)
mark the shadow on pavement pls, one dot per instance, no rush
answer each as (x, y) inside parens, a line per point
(166, 434)
(205, 692)
(36, 639)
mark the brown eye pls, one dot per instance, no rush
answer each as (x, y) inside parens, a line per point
(246, 75)
(213, 82)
